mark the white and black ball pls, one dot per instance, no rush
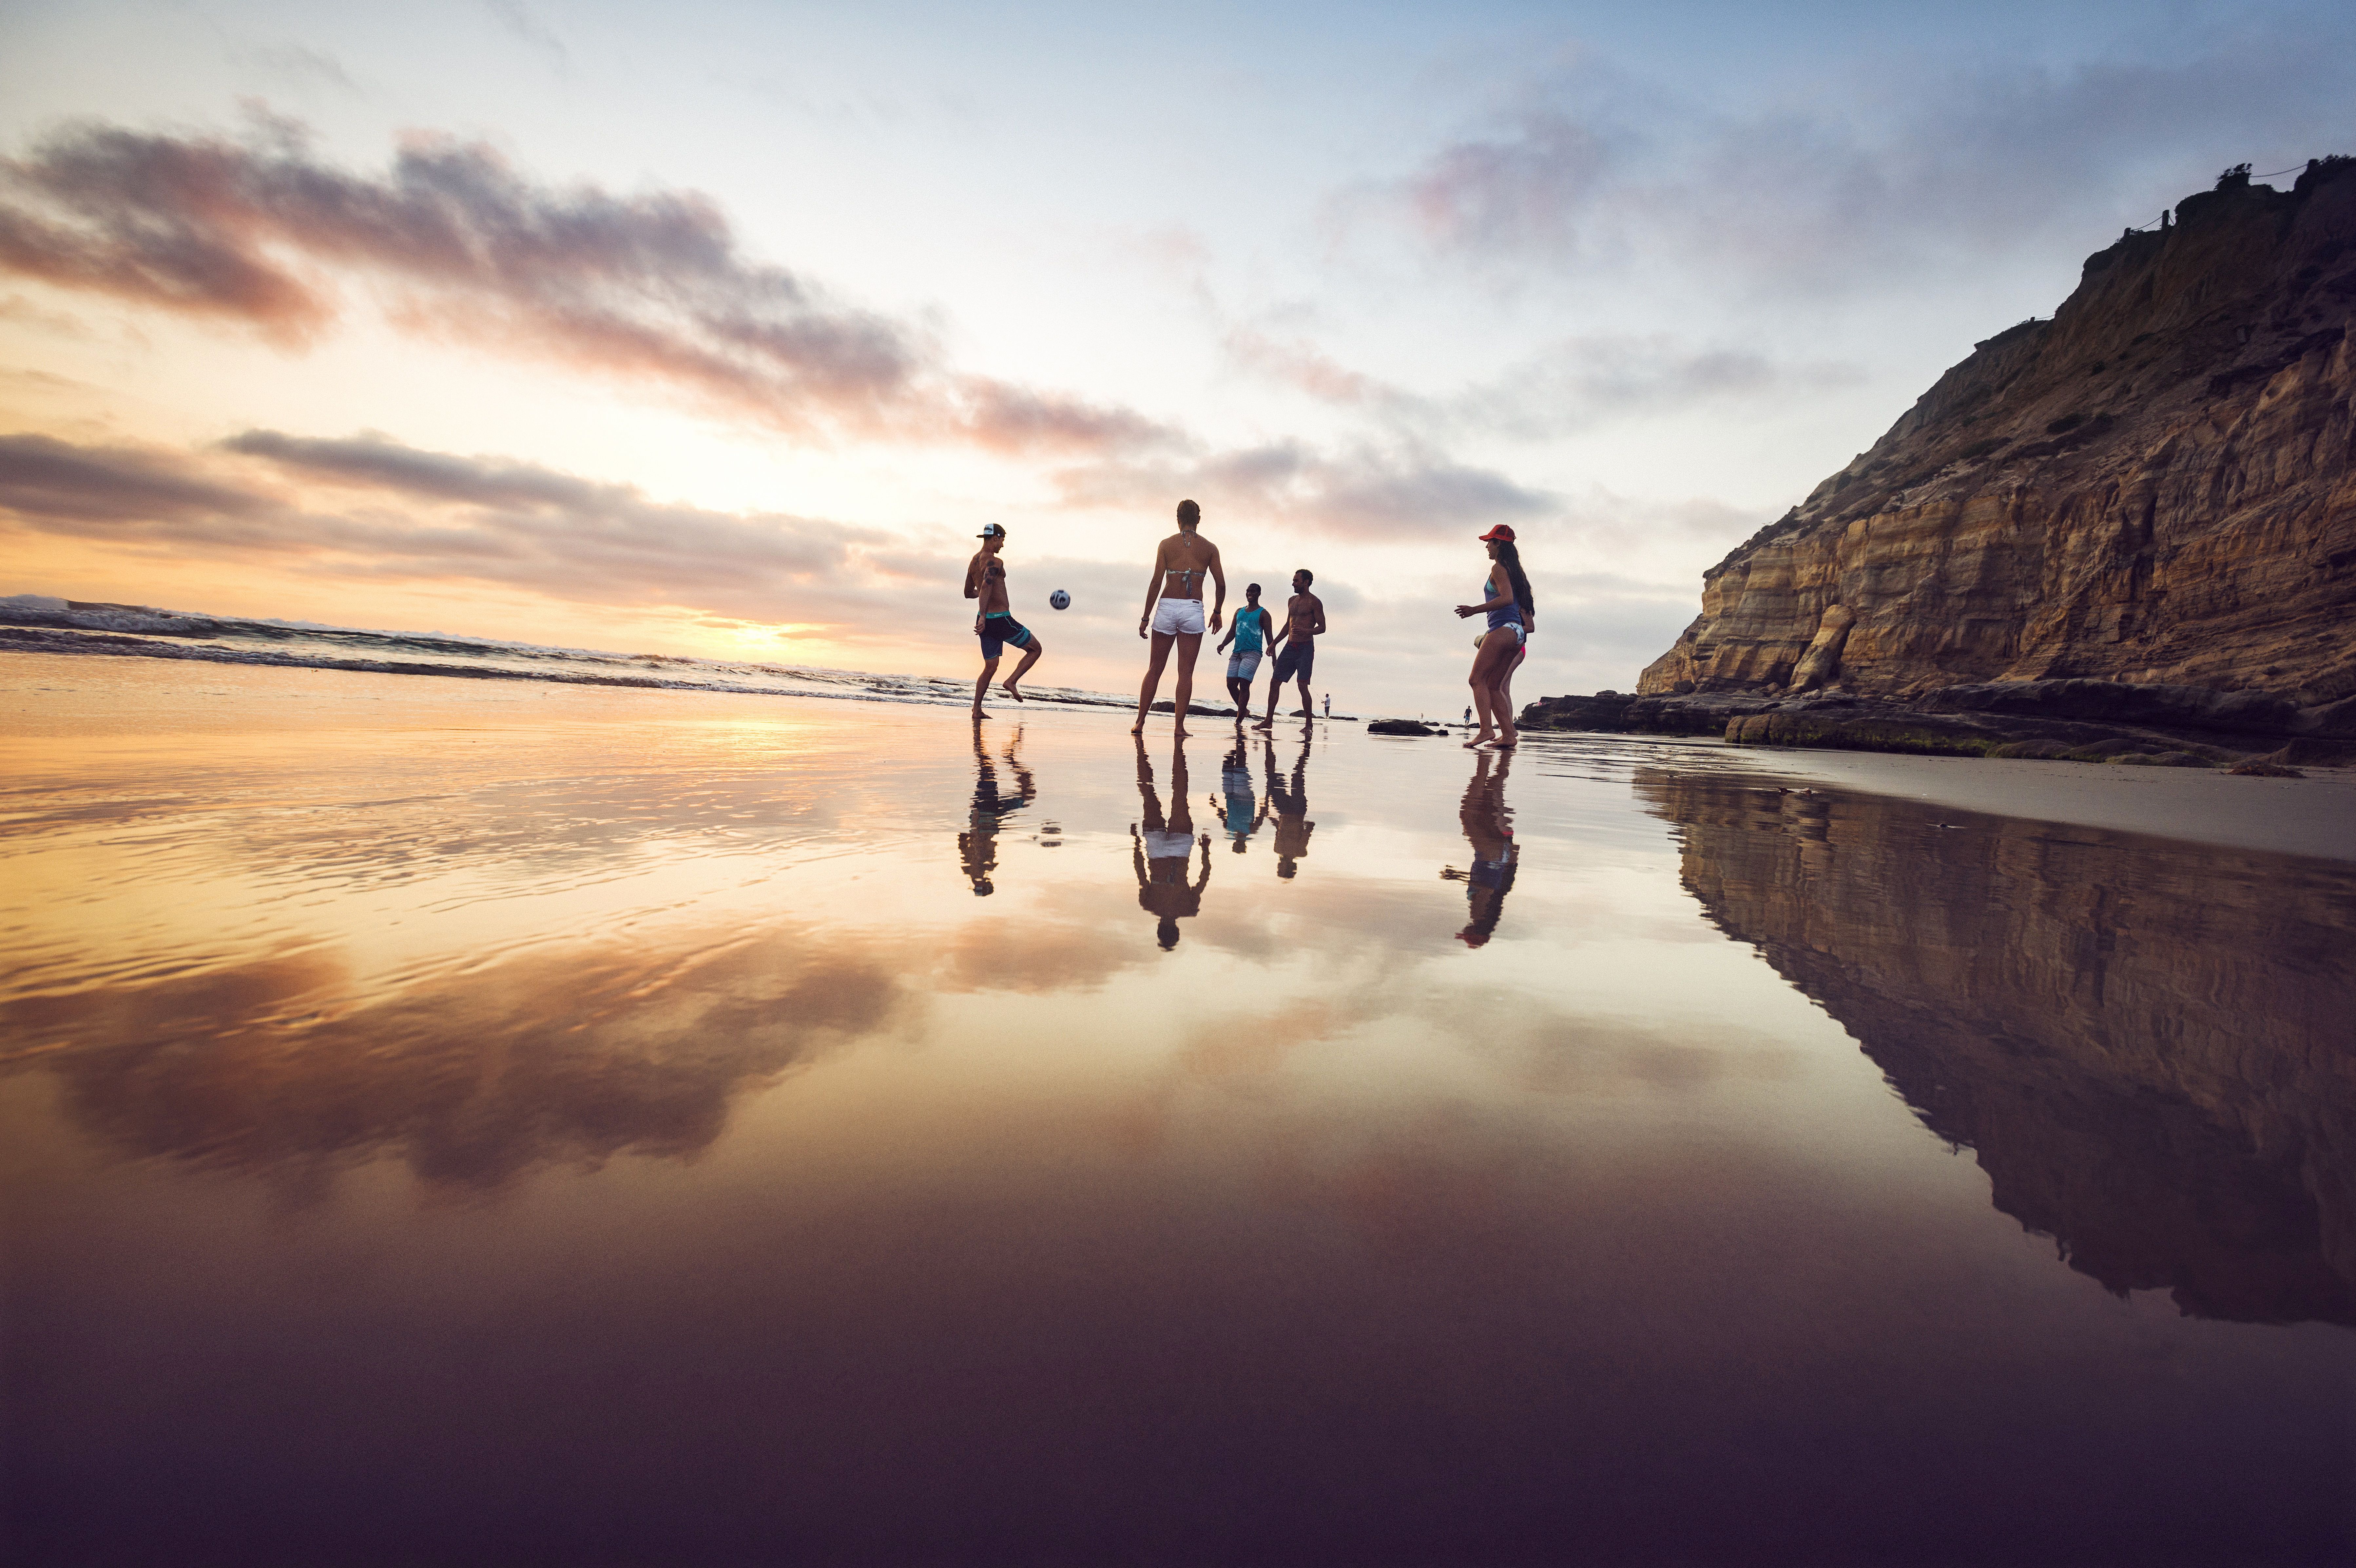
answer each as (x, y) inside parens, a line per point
(1060, 600)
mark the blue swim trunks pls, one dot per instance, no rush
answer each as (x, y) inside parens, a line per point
(1000, 629)
(1295, 659)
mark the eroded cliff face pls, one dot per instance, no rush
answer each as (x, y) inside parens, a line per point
(2157, 486)
(2151, 1053)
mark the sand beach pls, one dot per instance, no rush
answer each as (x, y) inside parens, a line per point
(658, 1125)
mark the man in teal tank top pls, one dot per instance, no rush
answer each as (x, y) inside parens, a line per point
(1249, 633)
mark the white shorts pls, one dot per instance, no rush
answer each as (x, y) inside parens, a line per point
(1178, 617)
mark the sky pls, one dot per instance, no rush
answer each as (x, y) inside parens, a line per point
(722, 329)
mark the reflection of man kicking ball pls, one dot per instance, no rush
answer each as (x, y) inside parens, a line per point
(1304, 622)
(1250, 634)
(985, 579)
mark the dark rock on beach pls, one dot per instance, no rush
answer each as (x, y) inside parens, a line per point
(2089, 721)
(1402, 727)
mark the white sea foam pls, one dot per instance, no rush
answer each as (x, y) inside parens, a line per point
(44, 624)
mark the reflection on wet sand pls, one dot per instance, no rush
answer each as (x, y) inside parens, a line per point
(1241, 809)
(978, 847)
(1287, 802)
(569, 1058)
(1489, 828)
(1164, 854)
(2147, 1043)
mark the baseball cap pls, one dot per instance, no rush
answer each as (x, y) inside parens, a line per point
(1501, 531)
(993, 531)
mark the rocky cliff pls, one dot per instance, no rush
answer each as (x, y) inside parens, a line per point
(2156, 487)
(2146, 1051)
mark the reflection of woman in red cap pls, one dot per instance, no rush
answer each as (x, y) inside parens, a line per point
(1505, 599)
(1489, 828)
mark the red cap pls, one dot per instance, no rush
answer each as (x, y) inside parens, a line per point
(1500, 532)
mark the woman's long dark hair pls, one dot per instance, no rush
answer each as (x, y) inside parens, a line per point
(1511, 559)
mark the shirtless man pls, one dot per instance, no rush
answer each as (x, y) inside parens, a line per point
(1174, 608)
(1304, 622)
(985, 579)
(1253, 627)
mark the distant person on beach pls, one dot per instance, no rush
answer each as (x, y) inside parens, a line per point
(1241, 809)
(1288, 805)
(1304, 622)
(1505, 599)
(977, 848)
(1489, 829)
(994, 623)
(1252, 634)
(1173, 611)
(1164, 851)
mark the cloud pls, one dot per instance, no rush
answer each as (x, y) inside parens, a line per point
(1398, 490)
(371, 506)
(1897, 164)
(302, 66)
(1573, 385)
(513, 16)
(651, 287)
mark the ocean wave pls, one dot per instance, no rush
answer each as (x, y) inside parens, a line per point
(40, 623)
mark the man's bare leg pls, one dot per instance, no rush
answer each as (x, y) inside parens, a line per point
(1153, 663)
(1190, 644)
(1308, 710)
(1037, 648)
(981, 684)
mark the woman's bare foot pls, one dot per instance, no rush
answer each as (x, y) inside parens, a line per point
(1477, 742)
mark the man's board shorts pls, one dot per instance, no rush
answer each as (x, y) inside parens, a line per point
(1169, 846)
(1243, 664)
(1496, 873)
(999, 629)
(1178, 617)
(1295, 659)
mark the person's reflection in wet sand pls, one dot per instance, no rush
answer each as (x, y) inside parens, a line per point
(1164, 850)
(1489, 828)
(978, 847)
(1288, 804)
(1238, 802)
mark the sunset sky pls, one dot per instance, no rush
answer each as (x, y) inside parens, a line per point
(722, 328)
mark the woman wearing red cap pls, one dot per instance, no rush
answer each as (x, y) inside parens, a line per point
(1505, 599)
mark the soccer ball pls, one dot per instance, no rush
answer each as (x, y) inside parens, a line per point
(1060, 600)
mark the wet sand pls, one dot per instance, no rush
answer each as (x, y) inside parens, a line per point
(2315, 815)
(555, 1125)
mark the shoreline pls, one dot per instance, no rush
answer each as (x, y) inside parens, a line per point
(2313, 817)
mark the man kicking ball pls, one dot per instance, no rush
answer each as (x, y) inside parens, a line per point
(985, 579)
(1250, 635)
